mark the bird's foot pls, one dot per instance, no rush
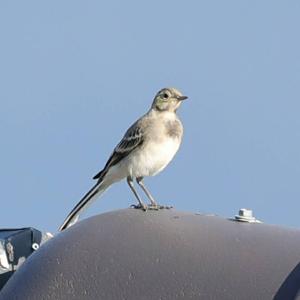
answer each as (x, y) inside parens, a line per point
(158, 207)
(143, 207)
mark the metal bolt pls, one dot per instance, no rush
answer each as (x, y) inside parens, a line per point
(246, 215)
(35, 246)
(243, 212)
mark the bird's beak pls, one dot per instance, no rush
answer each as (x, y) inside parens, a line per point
(181, 98)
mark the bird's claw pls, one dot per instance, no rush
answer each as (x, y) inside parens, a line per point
(150, 207)
(139, 206)
(158, 207)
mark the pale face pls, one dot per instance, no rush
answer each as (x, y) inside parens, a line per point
(168, 99)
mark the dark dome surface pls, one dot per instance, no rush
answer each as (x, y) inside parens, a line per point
(167, 254)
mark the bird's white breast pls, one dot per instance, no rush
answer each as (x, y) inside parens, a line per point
(153, 157)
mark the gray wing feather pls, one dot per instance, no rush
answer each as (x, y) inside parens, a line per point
(132, 139)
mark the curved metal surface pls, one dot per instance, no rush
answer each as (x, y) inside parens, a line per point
(130, 254)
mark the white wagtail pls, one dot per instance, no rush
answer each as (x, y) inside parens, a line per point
(146, 149)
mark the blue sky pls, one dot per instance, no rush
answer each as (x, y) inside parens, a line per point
(75, 74)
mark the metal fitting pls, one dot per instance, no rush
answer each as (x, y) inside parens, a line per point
(35, 246)
(246, 215)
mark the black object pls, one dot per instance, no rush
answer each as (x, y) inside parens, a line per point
(167, 254)
(15, 246)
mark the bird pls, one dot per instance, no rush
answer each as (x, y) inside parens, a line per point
(146, 149)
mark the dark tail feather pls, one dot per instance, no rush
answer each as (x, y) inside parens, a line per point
(91, 195)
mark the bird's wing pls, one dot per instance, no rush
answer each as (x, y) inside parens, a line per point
(133, 138)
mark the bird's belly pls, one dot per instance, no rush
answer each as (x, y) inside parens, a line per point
(153, 157)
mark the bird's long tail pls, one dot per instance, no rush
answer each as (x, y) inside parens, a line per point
(87, 199)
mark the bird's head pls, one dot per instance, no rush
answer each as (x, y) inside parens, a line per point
(168, 99)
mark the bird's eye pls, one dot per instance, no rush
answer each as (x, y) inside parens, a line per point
(165, 95)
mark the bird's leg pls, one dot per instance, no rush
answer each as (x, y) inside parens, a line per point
(154, 204)
(141, 204)
(140, 182)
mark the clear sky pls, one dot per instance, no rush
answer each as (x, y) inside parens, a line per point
(75, 74)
